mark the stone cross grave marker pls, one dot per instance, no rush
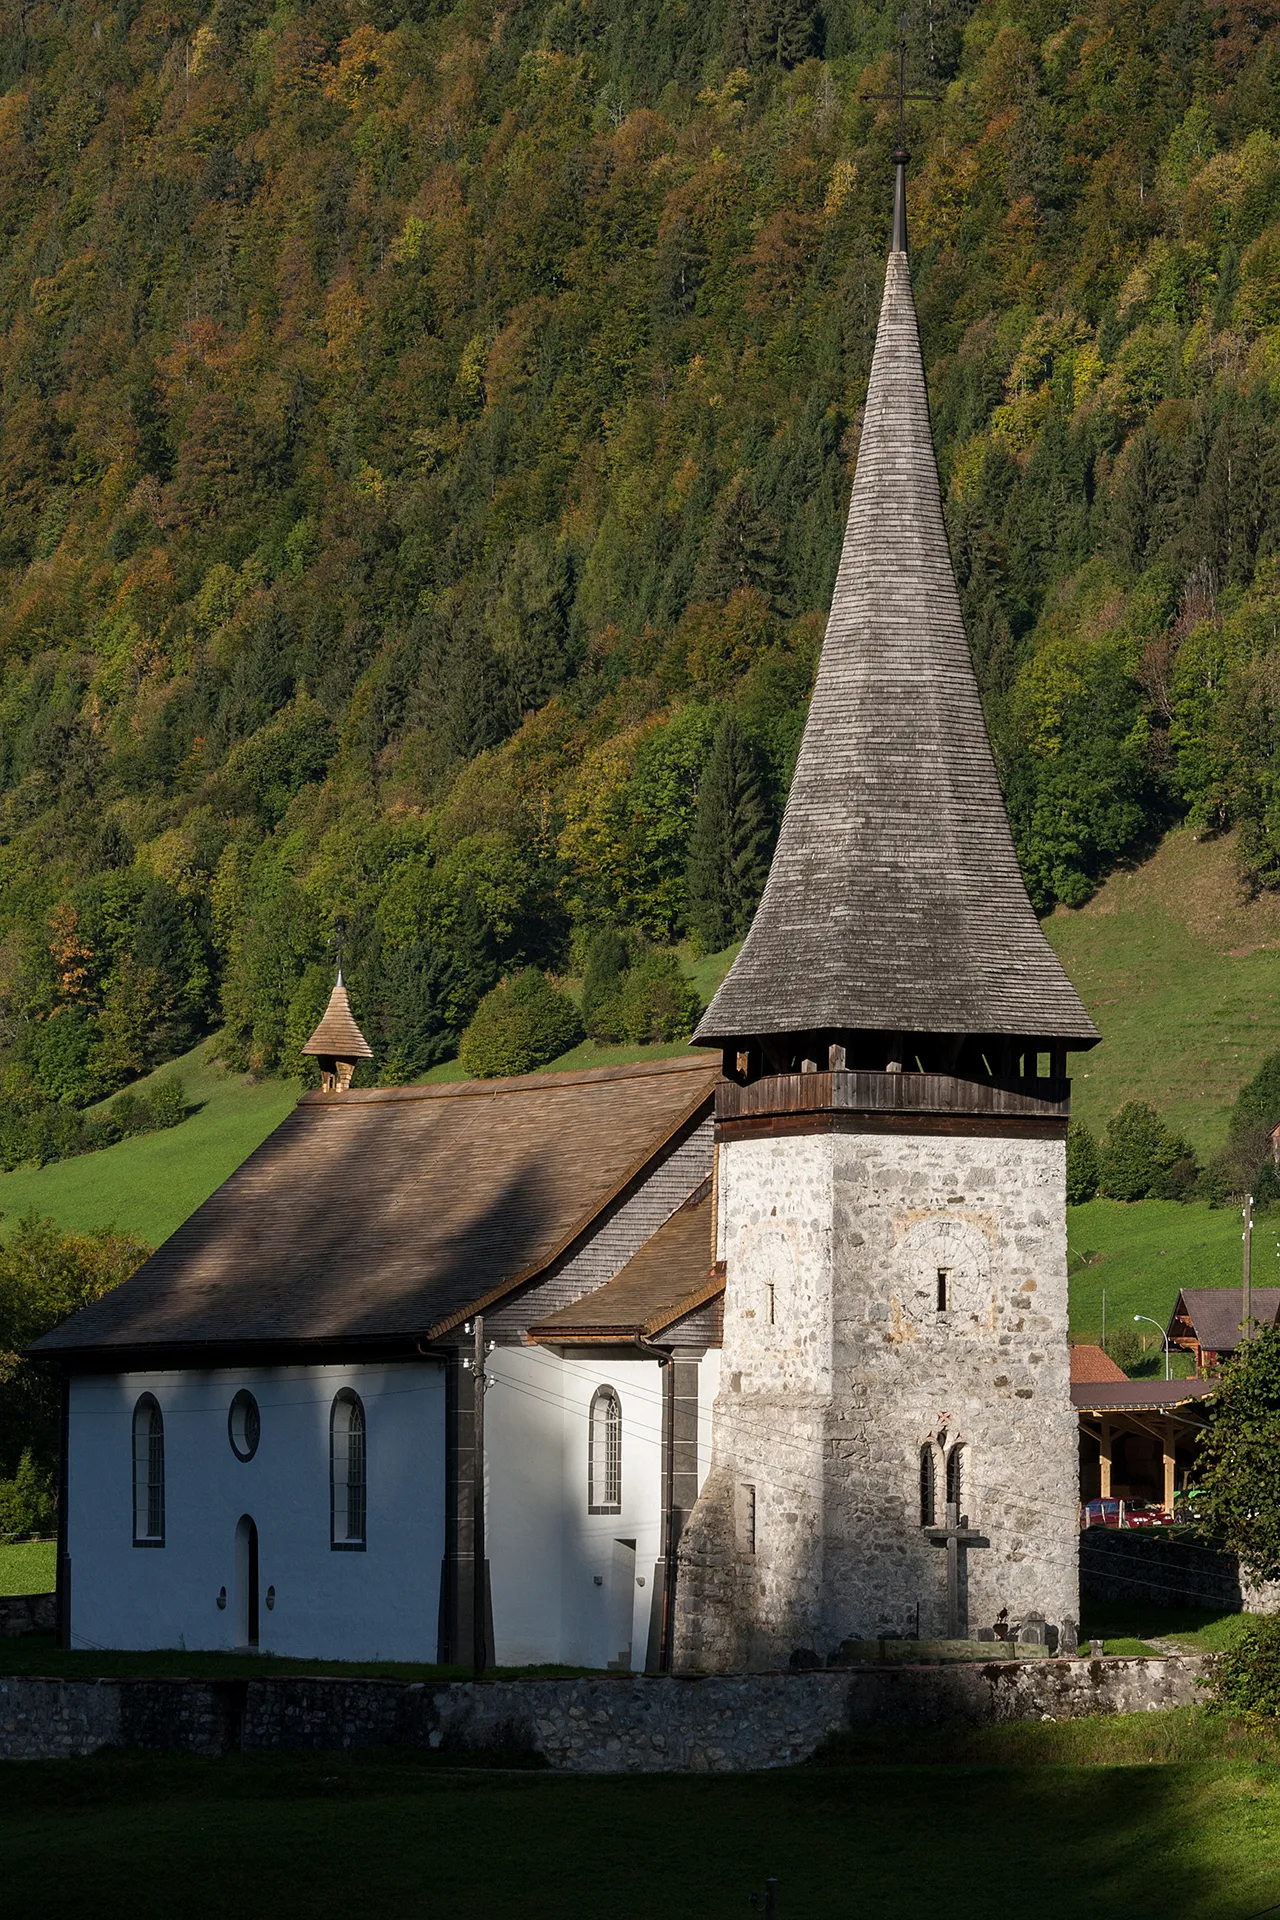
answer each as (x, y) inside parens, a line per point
(957, 1536)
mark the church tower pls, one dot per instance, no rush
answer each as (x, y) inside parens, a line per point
(891, 1140)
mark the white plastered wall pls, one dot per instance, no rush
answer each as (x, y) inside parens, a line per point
(379, 1604)
(570, 1585)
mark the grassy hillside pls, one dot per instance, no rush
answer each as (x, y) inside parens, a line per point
(1182, 975)
(1141, 1255)
(148, 1185)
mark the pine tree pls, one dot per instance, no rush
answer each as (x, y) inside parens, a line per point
(731, 842)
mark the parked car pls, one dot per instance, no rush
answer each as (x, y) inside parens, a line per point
(1121, 1513)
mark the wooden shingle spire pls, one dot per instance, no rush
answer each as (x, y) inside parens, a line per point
(895, 901)
(338, 1042)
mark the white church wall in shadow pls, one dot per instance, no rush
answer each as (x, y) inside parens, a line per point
(313, 1601)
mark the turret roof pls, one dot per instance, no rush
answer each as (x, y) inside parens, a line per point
(338, 1035)
(895, 901)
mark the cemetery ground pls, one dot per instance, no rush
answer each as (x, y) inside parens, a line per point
(1159, 1815)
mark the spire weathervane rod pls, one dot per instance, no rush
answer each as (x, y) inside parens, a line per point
(899, 98)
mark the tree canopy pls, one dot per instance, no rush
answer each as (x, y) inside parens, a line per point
(424, 429)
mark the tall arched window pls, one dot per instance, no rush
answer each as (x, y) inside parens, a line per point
(955, 1475)
(148, 1473)
(928, 1492)
(348, 1501)
(604, 1453)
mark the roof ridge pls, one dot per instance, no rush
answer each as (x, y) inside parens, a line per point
(513, 1083)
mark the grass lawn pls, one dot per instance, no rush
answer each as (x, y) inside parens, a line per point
(36, 1653)
(1143, 1253)
(1182, 977)
(1165, 1815)
(149, 1185)
(1129, 1627)
(28, 1567)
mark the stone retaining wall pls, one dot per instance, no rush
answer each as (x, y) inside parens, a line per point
(622, 1724)
(1157, 1570)
(27, 1613)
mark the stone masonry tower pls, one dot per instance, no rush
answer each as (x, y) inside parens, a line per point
(891, 1138)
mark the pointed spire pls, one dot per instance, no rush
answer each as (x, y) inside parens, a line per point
(899, 242)
(894, 901)
(338, 1042)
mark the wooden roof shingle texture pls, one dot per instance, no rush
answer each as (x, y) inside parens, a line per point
(671, 1275)
(381, 1215)
(895, 900)
(338, 1033)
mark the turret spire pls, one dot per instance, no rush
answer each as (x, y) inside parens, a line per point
(894, 903)
(337, 1042)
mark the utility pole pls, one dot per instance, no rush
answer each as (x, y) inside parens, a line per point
(479, 1621)
(1104, 1319)
(1246, 1317)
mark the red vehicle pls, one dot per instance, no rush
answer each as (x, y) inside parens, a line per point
(1121, 1513)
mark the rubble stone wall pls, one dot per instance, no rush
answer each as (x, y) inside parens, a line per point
(838, 1368)
(619, 1724)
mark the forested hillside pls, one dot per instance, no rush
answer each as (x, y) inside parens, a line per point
(425, 443)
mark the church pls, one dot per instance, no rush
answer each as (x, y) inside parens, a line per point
(704, 1364)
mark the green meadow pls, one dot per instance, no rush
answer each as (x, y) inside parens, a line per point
(1165, 1815)
(149, 1185)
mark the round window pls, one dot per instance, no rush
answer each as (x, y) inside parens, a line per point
(244, 1425)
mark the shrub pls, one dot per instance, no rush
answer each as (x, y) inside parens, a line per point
(1238, 1454)
(1125, 1348)
(1082, 1164)
(657, 1002)
(1245, 1679)
(606, 963)
(1143, 1159)
(26, 1502)
(522, 1024)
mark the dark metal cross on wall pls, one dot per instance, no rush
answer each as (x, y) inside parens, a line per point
(956, 1536)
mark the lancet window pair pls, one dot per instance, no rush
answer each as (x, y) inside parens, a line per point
(953, 1474)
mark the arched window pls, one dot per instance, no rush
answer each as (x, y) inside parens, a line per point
(955, 1476)
(348, 1502)
(148, 1473)
(928, 1487)
(604, 1453)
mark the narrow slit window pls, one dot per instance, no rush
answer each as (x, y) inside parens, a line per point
(148, 1473)
(604, 1452)
(928, 1504)
(944, 1288)
(955, 1476)
(348, 1474)
(747, 1517)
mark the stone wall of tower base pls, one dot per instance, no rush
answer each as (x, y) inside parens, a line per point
(622, 1724)
(839, 1367)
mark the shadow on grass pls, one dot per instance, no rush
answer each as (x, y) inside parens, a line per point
(37, 1654)
(1065, 1821)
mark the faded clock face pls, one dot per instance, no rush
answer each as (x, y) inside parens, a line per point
(944, 1269)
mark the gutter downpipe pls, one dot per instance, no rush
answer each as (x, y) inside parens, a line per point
(667, 1362)
(62, 1572)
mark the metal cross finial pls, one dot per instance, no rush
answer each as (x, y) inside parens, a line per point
(900, 96)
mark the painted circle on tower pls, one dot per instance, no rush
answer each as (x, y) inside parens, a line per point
(945, 1265)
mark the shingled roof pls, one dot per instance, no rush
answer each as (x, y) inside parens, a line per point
(392, 1213)
(672, 1275)
(337, 1033)
(1215, 1314)
(895, 900)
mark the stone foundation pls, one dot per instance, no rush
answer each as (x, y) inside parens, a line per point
(27, 1613)
(628, 1724)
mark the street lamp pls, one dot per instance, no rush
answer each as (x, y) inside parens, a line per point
(1163, 1335)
